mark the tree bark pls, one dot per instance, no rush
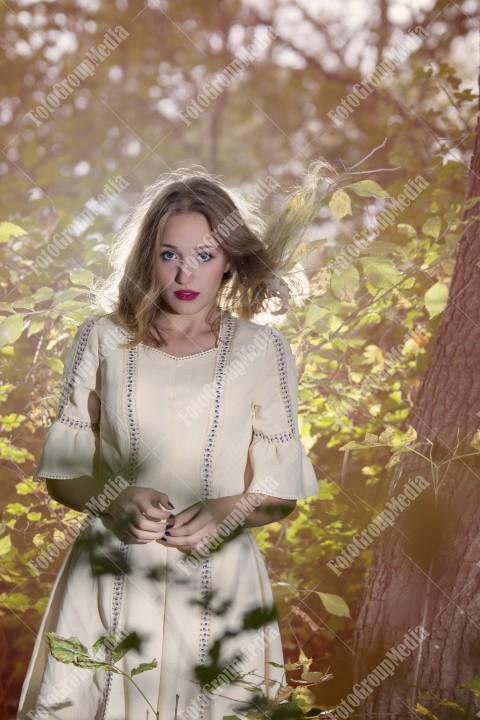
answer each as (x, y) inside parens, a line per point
(426, 569)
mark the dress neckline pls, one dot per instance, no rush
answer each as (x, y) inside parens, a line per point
(223, 318)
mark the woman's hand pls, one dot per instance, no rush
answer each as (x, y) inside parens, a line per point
(137, 517)
(190, 526)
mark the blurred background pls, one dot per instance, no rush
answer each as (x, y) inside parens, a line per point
(101, 99)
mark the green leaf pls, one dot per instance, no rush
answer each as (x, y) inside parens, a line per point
(334, 604)
(476, 440)
(432, 226)
(104, 640)
(425, 712)
(473, 684)
(11, 329)
(68, 294)
(258, 616)
(5, 545)
(381, 273)
(70, 305)
(314, 676)
(16, 509)
(82, 277)
(345, 285)
(132, 640)
(7, 229)
(405, 229)
(66, 650)
(26, 487)
(143, 667)
(436, 299)
(409, 436)
(42, 294)
(387, 435)
(452, 705)
(23, 303)
(368, 188)
(471, 202)
(54, 363)
(352, 445)
(340, 204)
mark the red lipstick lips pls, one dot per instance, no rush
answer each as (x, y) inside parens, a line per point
(186, 294)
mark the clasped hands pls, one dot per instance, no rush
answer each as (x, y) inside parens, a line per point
(138, 510)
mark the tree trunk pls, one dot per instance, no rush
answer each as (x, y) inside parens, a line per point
(426, 568)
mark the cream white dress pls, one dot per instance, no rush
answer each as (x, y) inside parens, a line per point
(216, 423)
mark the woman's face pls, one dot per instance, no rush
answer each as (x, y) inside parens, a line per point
(189, 259)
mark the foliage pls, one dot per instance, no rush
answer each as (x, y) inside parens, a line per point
(71, 650)
(361, 339)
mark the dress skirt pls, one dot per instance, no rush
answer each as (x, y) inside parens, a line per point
(219, 422)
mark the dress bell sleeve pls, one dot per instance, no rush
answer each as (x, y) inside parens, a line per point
(279, 463)
(70, 447)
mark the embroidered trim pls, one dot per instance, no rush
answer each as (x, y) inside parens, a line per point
(282, 437)
(38, 478)
(206, 570)
(68, 386)
(282, 497)
(282, 372)
(177, 357)
(119, 580)
(78, 424)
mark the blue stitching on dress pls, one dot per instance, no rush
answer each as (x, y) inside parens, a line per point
(206, 571)
(282, 437)
(282, 372)
(78, 424)
(119, 580)
(67, 387)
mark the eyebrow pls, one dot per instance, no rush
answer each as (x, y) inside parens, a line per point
(211, 247)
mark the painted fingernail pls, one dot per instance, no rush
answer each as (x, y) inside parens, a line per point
(172, 506)
(167, 533)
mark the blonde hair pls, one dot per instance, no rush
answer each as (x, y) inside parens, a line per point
(255, 248)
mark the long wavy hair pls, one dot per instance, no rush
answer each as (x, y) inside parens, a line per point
(256, 248)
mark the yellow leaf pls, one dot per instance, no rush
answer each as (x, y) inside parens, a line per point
(476, 440)
(305, 698)
(5, 545)
(340, 204)
(7, 229)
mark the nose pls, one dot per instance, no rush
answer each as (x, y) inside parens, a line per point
(183, 272)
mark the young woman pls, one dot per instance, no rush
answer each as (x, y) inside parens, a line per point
(176, 432)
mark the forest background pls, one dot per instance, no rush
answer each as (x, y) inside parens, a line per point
(385, 91)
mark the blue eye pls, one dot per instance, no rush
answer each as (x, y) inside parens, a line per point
(166, 252)
(170, 252)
